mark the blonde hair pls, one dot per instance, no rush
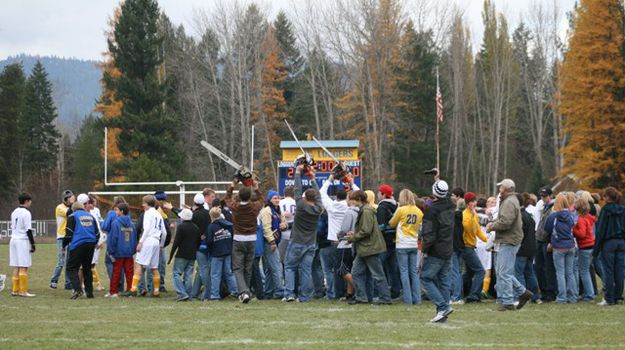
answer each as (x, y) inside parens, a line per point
(77, 205)
(215, 213)
(570, 197)
(585, 195)
(562, 202)
(371, 198)
(582, 205)
(406, 197)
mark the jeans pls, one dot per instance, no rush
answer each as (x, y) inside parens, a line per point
(182, 277)
(563, 259)
(456, 277)
(508, 287)
(202, 277)
(273, 273)
(328, 264)
(389, 263)
(613, 261)
(242, 264)
(61, 259)
(221, 266)
(475, 272)
(436, 280)
(584, 259)
(257, 281)
(545, 271)
(373, 264)
(299, 256)
(81, 256)
(407, 260)
(317, 277)
(524, 271)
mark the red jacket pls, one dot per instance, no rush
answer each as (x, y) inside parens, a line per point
(584, 231)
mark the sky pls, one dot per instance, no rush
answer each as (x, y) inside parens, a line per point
(75, 28)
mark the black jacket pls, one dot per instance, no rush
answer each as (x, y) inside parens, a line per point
(458, 231)
(528, 245)
(611, 225)
(186, 241)
(386, 210)
(438, 229)
(201, 219)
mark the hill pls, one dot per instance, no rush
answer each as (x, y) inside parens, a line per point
(75, 82)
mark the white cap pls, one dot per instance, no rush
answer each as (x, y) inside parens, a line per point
(82, 198)
(186, 214)
(198, 198)
(506, 183)
(440, 189)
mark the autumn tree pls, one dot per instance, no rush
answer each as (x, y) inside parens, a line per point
(592, 95)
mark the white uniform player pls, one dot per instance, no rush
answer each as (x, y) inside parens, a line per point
(287, 206)
(22, 245)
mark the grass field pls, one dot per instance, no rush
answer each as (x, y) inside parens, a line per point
(52, 321)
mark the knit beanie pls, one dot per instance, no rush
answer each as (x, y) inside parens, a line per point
(440, 189)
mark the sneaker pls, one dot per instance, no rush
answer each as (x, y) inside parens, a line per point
(89, 295)
(382, 302)
(3, 279)
(458, 302)
(290, 299)
(143, 292)
(246, 298)
(99, 288)
(603, 303)
(53, 285)
(185, 298)
(128, 293)
(13, 294)
(448, 312)
(524, 298)
(439, 318)
(503, 307)
(27, 295)
(471, 300)
(538, 301)
(114, 296)
(76, 294)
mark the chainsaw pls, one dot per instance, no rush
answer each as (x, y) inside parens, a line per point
(305, 158)
(340, 171)
(242, 174)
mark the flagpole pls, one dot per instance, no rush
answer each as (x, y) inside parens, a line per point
(438, 148)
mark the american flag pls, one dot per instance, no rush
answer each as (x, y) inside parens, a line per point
(439, 100)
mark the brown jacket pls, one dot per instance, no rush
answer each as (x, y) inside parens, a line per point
(244, 215)
(509, 224)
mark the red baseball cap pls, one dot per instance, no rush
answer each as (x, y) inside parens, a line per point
(386, 190)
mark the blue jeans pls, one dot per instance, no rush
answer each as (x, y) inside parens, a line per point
(273, 273)
(613, 261)
(61, 260)
(456, 277)
(436, 280)
(475, 272)
(182, 276)
(328, 264)
(221, 266)
(584, 258)
(389, 263)
(524, 271)
(299, 256)
(373, 264)
(563, 259)
(508, 287)
(317, 277)
(407, 260)
(202, 277)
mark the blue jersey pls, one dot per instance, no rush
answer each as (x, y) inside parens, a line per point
(85, 229)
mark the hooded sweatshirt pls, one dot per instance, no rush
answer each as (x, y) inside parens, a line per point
(611, 225)
(559, 225)
(122, 238)
(584, 231)
(438, 229)
(219, 238)
(385, 211)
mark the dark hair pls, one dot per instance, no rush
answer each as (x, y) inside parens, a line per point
(458, 192)
(341, 194)
(481, 202)
(24, 197)
(521, 200)
(596, 197)
(123, 207)
(310, 194)
(612, 195)
(216, 203)
(526, 199)
(245, 193)
(92, 199)
(359, 196)
(289, 191)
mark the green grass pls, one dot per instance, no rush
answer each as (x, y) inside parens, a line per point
(52, 321)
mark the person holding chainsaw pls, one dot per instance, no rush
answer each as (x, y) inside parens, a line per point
(302, 245)
(244, 214)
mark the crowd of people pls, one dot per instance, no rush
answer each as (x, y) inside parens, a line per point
(451, 247)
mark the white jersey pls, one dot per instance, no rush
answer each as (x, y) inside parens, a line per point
(288, 205)
(21, 222)
(153, 227)
(96, 214)
(336, 211)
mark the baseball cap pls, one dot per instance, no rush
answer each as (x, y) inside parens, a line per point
(386, 190)
(186, 214)
(66, 194)
(506, 183)
(545, 191)
(198, 198)
(160, 195)
(82, 198)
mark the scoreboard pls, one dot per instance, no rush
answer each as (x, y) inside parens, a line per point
(343, 150)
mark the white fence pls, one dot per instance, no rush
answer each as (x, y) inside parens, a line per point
(41, 228)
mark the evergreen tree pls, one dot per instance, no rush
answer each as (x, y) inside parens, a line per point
(147, 138)
(38, 127)
(289, 54)
(592, 101)
(12, 103)
(86, 160)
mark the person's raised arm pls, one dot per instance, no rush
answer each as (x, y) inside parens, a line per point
(325, 199)
(298, 183)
